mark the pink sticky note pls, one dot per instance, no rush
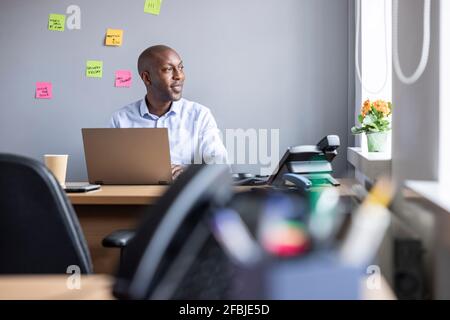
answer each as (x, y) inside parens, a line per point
(123, 78)
(43, 90)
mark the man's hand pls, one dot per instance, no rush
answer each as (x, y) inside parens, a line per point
(176, 170)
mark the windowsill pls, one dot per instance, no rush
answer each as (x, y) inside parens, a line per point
(370, 164)
(432, 191)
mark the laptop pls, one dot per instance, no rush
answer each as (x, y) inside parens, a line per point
(79, 187)
(131, 156)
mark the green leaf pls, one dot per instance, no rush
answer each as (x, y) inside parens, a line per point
(369, 119)
(356, 130)
(360, 118)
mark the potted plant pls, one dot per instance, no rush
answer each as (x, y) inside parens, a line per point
(375, 119)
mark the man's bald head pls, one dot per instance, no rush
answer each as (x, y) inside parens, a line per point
(150, 56)
(161, 69)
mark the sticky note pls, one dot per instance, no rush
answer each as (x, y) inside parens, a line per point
(43, 90)
(152, 6)
(94, 69)
(113, 37)
(56, 22)
(123, 78)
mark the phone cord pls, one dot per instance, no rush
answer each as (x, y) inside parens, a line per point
(425, 47)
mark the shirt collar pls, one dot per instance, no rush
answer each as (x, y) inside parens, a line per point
(174, 109)
(176, 106)
(143, 108)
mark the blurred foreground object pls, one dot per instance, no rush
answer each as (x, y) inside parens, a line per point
(369, 225)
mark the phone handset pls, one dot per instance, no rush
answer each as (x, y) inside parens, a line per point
(299, 181)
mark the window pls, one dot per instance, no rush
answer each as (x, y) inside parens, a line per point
(375, 52)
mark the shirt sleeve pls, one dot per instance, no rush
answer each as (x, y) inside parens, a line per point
(113, 123)
(212, 148)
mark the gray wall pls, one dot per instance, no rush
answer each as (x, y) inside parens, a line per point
(415, 134)
(254, 63)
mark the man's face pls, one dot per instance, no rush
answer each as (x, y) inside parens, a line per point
(167, 76)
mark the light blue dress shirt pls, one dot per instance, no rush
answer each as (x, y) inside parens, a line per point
(193, 133)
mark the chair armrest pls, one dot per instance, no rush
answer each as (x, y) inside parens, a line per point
(118, 239)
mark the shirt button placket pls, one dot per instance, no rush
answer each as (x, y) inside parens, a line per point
(161, 122)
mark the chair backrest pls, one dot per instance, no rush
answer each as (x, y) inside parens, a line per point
(158, 247)
(39, 231)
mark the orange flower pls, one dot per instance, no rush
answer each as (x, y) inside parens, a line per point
(379, 105)
(382, 106)
(365, 108)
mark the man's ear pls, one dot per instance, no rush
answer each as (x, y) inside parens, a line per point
(145, 76)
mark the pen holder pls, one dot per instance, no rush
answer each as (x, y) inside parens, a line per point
(318, 276)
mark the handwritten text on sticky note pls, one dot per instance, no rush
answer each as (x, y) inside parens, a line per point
(123, 78)
(43, 90)
(113, 37)
(56, 22)
(152, 6)
(94, 69)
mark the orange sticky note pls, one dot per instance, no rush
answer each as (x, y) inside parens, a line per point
(123, 78)
(43, 90)
(113, 37)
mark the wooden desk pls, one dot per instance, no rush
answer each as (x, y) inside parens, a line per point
(145, 195)
(98, 287)
(112, 208)
(53, 287)
(119, 195)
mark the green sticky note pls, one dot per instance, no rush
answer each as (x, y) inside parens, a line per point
(152, 6)
(94, 69)
(56, 22)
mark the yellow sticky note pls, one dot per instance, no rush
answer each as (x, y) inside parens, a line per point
(56, 22)
(113, 37)
(94, 69)
(152, 6)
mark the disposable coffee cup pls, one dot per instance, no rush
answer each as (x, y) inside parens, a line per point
(57, 164)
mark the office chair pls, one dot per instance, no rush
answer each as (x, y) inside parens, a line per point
(159, 255)
(39, 231)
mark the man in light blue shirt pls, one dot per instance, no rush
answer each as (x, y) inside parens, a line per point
(193, 133)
